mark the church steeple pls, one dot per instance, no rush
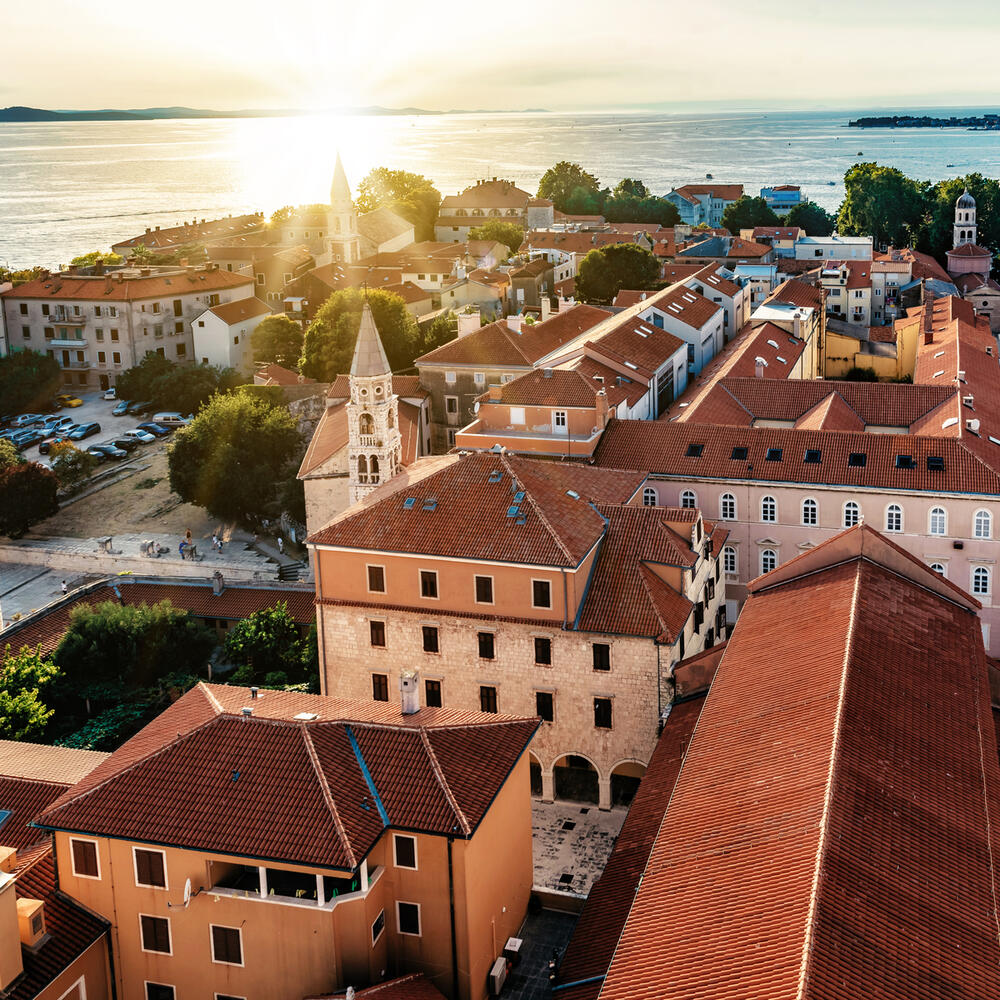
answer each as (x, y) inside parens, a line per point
(374, 447)
(342, 220)
(964, 230)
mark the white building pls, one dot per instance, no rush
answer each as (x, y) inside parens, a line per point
(222, 333)
(833, 247)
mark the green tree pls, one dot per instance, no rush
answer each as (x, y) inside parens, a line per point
(440, 330)
(606, 271)
(944, 194)
(282, 215)
(72, 466)
(569, 187)
(137, 382)
(278, 339)
(27, 379)
(329, 342)
(90, 259)
(628, 208)
(628, 187)
(747, 213)
(185, 388)
(9, 455)
(233, 457)
(267, 644)
(27, 495)
(24, 678)
(20, 275)
(141, 254)
(508, 233)
(807, 215)
(884, 203)
(410, 195)
(110, 728)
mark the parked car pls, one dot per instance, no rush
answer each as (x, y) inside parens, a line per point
(171, 418)
(127, 443)
(158, 430)
(46, 446)
(28, 438)
(111, 393)
(141, 406)
(121, 408)
(68, 399)
(57, 423)
(84, 431)
(103, 451)
(143, 437)
(26, 420)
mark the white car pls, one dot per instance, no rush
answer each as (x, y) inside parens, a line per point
(172, 418)
(111, 393)
(144, 437)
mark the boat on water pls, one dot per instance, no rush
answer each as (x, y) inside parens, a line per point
(709, 177)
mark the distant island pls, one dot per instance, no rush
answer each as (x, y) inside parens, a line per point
(988, 122)
(23, 114)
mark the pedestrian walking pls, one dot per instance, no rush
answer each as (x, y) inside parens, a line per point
(281, 545)
(64, 588)
(215, 541)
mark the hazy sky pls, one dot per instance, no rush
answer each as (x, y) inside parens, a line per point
(495, 55)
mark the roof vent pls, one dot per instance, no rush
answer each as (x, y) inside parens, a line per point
(546, 373)
(968, 401)
(935, 463)
(246, 711)
(430, 504)
(972, 424)
(573, 494)
(950, 422)
(254, 691)
(305, 717)
(961, 375)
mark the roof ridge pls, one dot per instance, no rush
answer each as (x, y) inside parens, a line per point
(644, 570)
(212, 700)
(538, 510)
(442, 781)
(331, 805)
(811, 917)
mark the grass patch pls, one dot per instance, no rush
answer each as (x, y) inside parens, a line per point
(147, 484)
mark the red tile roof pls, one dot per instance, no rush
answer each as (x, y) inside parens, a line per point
(24, 799)
(108, 288)
(690, 308)
(274, 374)
(331, 436)
(280, 787)
(486, 194)
(969, 250)
(618, 387)
(556, 388)
(412, 987)
(641, 345)
(726, 192)
(831, 791)
(747, 248)
(240, 310)
(797, 293)
(776, 347)
(777, 232)
(629, 297)
(924, 265)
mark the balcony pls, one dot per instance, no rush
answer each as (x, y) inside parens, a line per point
(80, 366)
(369, 441)
(76, 342)
(290, 888)
(67, 319)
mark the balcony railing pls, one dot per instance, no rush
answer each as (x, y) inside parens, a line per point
(67, 341)
(76, 365)
(293, 888)
(68, 319)
(368, 441)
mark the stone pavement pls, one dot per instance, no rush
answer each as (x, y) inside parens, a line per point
(24, 589)
(542, 933)
(571, 844)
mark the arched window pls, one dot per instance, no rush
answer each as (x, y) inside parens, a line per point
(362, 469)
(727, 507)
(980, 580)
(649, 497)
(366, 424)
(938, 568)
(852, 514)
(688, 499)
(894, 517)
(768, 560)
(728, 559)
(768, 509)
(810, 511)
(938, 521)
(374, 468)
(983, 524)
(390, 419)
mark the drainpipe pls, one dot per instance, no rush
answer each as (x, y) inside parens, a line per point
(451, 907)
(565, 600)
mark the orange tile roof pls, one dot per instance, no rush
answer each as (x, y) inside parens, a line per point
(276, 786)
(629, 297)
(777, 232)
(557, 387)
(747, 248)
(212, 231)
(690, 308)
(726, 192)
(486, 194)
(274, 374)
(776, 347)
(924, 265)
(155, 286)
(797, 293)
(969, 250)
(412, 987)
(618, 387)
(331, 436)
(840, 775)
(641, 345)
(240, 310)
(830, 414)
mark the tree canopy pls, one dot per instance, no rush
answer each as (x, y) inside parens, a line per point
(171, 386)
(629, 187)
(604, 272)
(71, 465)
(410, 195)
(807, 215)
(268, 650)
(571, 189)
(27, 379)
(631, 208)
(941, 211)
(9, 455)
(233, 457)
(27, 495)
(508, 233)
(25, 678)
(279, 339)
(90, 259)
(748, 213)
(329, 342)
(884, 203)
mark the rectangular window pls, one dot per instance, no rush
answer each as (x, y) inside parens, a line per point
(84, 854)
(376, 579)
(181, 350)
(602, 656)
(484, 590)
(49, 333)
(602, 713)
(428, 583)
(150, 868)
(480, 378)
(404, 850)
(408, 918)
(380, 687)
(430, 634)
(45, 309)
(114, 335)
(156, 307)
(178, 327)
(116, 357)
(155, 933)
(26, 332)
(517, 416)
(541, 594)
(488, 699)
(559, 419)
(487, 649)
(99, 334)
(543, 651)
(377, 633)
(24, 308)
(544, 707)
(159, 991)
(449, 377)
(432, 694)
(227, 945)
(378, 925)
(178, 308)
(101, 357)
(451, 404)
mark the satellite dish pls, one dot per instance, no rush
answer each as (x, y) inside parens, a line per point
(187, 892)
(475, 407)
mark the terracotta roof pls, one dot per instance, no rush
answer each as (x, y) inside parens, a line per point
(279, 787)
(924, 265)
(107, 288)
(775, 347)
(690, 308)
(47, 627)
(242, 309)
(332, 435)
(494, 345)
(600, 924)
(215, 230)
(618, 387)
(969, 250)
(382, 225)
(41, 762)
(709, 276)
(831, 413)
(24, 799)
(629, 297)
(973, 282)
(681, 272)
(777, 232)
(726, 192)
(556, 388)
(412, 987)
(274, 374)
(637, 343)
(747, 248)
(486, 194)
(840, 774)
(882, 334)
(71, 929)
(533, 269)
(797, 293)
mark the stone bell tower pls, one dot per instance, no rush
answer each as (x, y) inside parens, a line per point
(374, 446)
(342, 220)
(964, 230)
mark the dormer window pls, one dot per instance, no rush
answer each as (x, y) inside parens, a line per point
(857, 459)
(773, 455)
(694, 450)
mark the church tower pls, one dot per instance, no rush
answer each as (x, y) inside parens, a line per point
(965, 220)
(342, 220)
(374, 443)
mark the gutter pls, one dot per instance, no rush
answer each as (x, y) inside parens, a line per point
(593, 567)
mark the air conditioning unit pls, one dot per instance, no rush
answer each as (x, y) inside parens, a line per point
(498, 976)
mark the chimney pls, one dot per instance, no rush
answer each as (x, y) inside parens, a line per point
(409, 687)
(546, 307)
(99, 266)
(148, 230)
(468, 323)
(157, 228)
(218, 584)
(11, 964)
(31, 923)
(514, 323)
(254, 692)
(797, 326)
(759, 367)
(546, 373)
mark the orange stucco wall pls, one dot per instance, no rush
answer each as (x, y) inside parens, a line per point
(92, 967)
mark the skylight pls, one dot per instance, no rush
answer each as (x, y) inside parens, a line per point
(518, 496)
(905, 462)
(812, 456)
(781, 359)
(950, 422)
(628, 364)
(694, 450)
(994, 440)
(409, 503)
(739, 455)
(857, 459)
(940, 354)
(513, 510)
(935, 463)
(773, 455)
(430, 504)
(938, 374)
(495, 476)
(773, 343)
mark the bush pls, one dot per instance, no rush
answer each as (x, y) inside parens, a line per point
(27, 495)
(71, 466)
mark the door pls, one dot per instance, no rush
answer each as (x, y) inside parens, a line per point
(105, 382)
(65, 359)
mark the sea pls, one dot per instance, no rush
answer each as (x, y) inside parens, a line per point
(69, 188)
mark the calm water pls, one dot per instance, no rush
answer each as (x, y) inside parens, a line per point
(68, 189)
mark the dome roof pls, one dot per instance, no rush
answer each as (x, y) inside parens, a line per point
(966, 200)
